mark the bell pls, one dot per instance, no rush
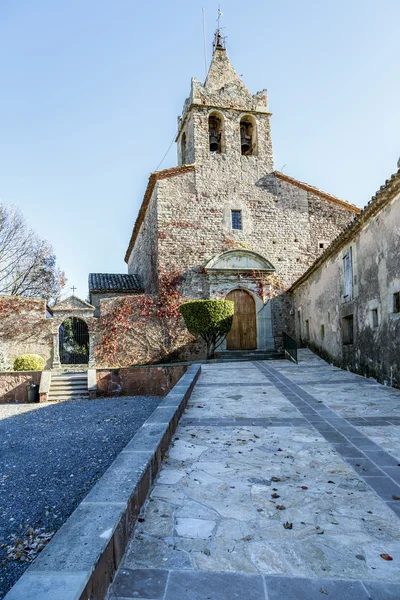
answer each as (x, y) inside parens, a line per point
(246, 143)
(214, 140)
(245, 140)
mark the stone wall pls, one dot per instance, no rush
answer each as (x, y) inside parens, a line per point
(138, 381)
(143, 258)
(24, 329)
(319, 296)
(13, 385)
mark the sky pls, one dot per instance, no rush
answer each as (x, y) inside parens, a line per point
(90, 91)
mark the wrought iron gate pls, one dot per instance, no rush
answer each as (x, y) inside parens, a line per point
(74, 342)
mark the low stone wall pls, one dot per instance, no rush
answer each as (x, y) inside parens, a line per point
(13, 385)
(138, 381)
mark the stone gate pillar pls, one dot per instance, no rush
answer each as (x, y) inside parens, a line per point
(92, 361)
(56, 351)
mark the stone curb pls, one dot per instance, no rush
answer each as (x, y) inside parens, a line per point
(81, 559)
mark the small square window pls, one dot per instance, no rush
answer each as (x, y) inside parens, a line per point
(396, 302)
(348, 330)
(236, 219)
(374, 318)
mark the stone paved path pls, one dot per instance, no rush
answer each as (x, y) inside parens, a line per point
(281, 483)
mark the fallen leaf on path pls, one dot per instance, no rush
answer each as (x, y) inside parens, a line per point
(386, 556)
(288, 525)
(275, 478)
(275, 495)
(304, 487)
(395, 497)
(280, 507)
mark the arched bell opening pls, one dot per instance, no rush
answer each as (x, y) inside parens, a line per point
(248, 136)
(216, 133)
(73, 342)
(183, 149)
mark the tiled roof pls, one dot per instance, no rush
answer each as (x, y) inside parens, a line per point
(113, 282)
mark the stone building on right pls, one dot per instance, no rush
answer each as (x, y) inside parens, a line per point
(347, 304)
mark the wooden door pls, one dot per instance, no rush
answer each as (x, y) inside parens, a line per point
(243, 335)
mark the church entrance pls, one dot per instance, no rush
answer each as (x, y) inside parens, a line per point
(74, 342)
(243, 335)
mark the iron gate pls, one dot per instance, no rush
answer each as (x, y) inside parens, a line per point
(74, 342)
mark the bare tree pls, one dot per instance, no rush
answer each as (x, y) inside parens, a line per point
(27, 263)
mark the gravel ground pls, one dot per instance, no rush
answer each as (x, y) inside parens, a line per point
(50, 457)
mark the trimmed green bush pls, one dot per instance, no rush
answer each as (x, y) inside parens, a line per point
(209, 319)
(29, 362)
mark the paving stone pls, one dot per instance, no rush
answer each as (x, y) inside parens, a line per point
(348, 451)
(384, 487)
(143, 583)
(194, 528)
(51, 586)
(382, 459)
(279, 588)
(393, 472)
(121, 478)
(81, 540)
(382, 591)
(365, 467)
(200, 585)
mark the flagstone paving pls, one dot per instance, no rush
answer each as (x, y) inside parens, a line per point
(268, 491)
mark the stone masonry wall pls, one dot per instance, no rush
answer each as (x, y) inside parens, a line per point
(143, 258)
(24, 328)
(376, 278)
(281, 222)
(139, 381)
(13, 385)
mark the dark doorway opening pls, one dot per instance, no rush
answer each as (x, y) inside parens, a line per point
(74, 342)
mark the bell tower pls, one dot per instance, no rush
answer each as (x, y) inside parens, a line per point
(222, 122)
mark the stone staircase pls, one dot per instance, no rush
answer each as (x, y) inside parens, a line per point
(234, 355)
(69, 386)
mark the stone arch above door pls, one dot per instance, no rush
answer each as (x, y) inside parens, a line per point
(239, 261)
(244, 269)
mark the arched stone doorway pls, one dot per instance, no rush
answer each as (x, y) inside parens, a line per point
(243, 335)
(73, 337)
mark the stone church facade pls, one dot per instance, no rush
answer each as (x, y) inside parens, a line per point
(223, 219)
(232, 225)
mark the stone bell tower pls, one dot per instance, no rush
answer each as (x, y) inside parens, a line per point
(222, 124)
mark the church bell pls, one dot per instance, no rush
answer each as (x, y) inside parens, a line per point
(245, 138)
(215, 140)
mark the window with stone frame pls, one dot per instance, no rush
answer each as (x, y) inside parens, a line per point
(236, 219)
(348, 275)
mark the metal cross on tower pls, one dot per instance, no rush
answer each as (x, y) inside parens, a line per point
(73, 290)
(219, 39)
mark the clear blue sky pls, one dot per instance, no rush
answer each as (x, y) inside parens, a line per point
(90, 91)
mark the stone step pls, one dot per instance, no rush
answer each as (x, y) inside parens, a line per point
(66, 396)
(235, 355)
(68, 382)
